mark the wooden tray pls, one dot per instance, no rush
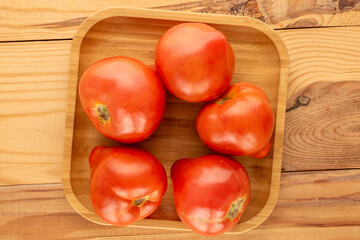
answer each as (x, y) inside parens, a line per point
(261, 58)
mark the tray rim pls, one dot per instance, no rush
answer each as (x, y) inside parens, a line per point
(186, 17)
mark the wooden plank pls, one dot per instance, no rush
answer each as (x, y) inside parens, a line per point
(324, 67)
(33, 88)
(313, 233)
(41, 19)
(283, 13)
(317, 199)
(33, 82)
(34, 211)
(321, 54)
(311, 205)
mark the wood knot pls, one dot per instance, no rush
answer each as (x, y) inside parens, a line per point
(302, 100)
(299, 101)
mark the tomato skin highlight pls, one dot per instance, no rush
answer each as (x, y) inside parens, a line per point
(239, 123)
(123, 98)
(210, 193)
(126, 185)
(194, 61)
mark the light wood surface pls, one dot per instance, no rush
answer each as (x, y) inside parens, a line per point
(260, 58)
(33, 91)
(323, 66)
(44, 19)
(311, 205)
(325, 60)
(325, 133)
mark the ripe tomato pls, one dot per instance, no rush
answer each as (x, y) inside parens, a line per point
(210, 192)
(126, 184)
(195, 61)
(124, 98)
(240, 122)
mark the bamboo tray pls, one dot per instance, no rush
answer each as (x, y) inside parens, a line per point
(261, 58)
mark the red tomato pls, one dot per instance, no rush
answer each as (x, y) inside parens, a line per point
(240, 122)
(126, 184)
(195, 62)
(124, 98)
(210, 192)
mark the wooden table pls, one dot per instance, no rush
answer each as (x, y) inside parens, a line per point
(320, 183)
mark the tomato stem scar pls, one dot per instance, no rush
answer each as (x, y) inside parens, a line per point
(139, 202)
(235, 208)
(103, 114)
(222, 100)
(232, 213)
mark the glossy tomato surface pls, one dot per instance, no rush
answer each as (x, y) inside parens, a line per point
(210, 193)
(240, 122)
(124, 98)
(195, 61)
(126, 184)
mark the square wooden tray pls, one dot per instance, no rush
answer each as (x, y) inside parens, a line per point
(261, 59)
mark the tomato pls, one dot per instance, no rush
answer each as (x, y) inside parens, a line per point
(240, 122)
(195, 61)
(210, 193)
(124, 98)
(126, 185)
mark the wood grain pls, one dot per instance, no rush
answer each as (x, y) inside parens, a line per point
(321, 54)
(33, 87)
(311, 205)
(41, 19)
(283, 13)
(43, 67)
(325, 134)
(261, 58)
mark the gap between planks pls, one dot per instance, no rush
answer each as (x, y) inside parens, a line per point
(37, 40)
(319, 170)
(276, 29)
